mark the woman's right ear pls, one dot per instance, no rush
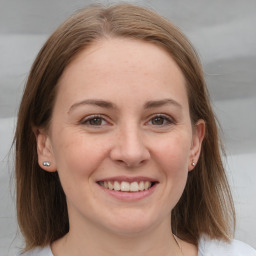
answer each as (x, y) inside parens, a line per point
(44, 150)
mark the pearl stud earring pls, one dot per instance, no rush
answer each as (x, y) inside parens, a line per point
(46, 163)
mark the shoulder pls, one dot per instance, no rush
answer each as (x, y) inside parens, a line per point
(209, 247)
(38, 251)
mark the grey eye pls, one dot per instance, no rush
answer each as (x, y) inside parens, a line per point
(95, 121)
(158, 120)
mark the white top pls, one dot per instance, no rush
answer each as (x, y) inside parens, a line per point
(206, 248)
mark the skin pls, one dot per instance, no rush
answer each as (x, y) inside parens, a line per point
(130, 136)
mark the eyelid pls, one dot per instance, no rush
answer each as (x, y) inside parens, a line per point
(168, 118)
(90, 117)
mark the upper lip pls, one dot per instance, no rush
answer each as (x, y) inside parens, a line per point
(128, 179)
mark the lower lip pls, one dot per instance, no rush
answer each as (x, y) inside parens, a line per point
(129, 196)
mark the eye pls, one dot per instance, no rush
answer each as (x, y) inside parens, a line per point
(161, 120)
(94, 120)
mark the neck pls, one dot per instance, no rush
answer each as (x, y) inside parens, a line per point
(91, 240)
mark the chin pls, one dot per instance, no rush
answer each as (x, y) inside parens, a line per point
(131, 224)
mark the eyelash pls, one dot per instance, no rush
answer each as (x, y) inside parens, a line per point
(165, 118)
(168, 120)
(87, 120)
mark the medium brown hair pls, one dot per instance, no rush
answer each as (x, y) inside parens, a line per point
(206, 206)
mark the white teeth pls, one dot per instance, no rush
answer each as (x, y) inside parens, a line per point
(110, 185)
(117, 186)
(134, 186)
(126, 186)
(141, 186)
(147, 184)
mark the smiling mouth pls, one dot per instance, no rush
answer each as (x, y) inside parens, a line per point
(125, 186)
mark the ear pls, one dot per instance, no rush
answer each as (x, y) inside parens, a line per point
(198, 136)
(44, 150)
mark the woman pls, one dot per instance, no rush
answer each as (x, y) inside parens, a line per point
(117, 150)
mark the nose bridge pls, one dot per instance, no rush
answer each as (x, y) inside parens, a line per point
(130, 148)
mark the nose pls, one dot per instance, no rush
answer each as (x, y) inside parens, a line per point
(129, 149)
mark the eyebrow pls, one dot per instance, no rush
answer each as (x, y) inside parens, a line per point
(110, 105)
(160, 103)
(95, 102)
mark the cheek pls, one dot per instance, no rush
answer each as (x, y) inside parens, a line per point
(173, 159)
(77, 155)
(171, 156)
(175, 151)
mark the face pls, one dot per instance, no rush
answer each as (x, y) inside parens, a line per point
(121, 137)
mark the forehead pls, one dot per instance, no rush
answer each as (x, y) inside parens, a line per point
(121, 64)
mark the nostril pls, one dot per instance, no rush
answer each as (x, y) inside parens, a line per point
(130, 164)
(121, 162)
(129, 154)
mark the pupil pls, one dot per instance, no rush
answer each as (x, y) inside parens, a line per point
(95, 121)
(158, 121)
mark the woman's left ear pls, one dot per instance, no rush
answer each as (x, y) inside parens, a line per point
(198, 136)
(44, 151)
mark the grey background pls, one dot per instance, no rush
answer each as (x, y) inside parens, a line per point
(224, 34)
